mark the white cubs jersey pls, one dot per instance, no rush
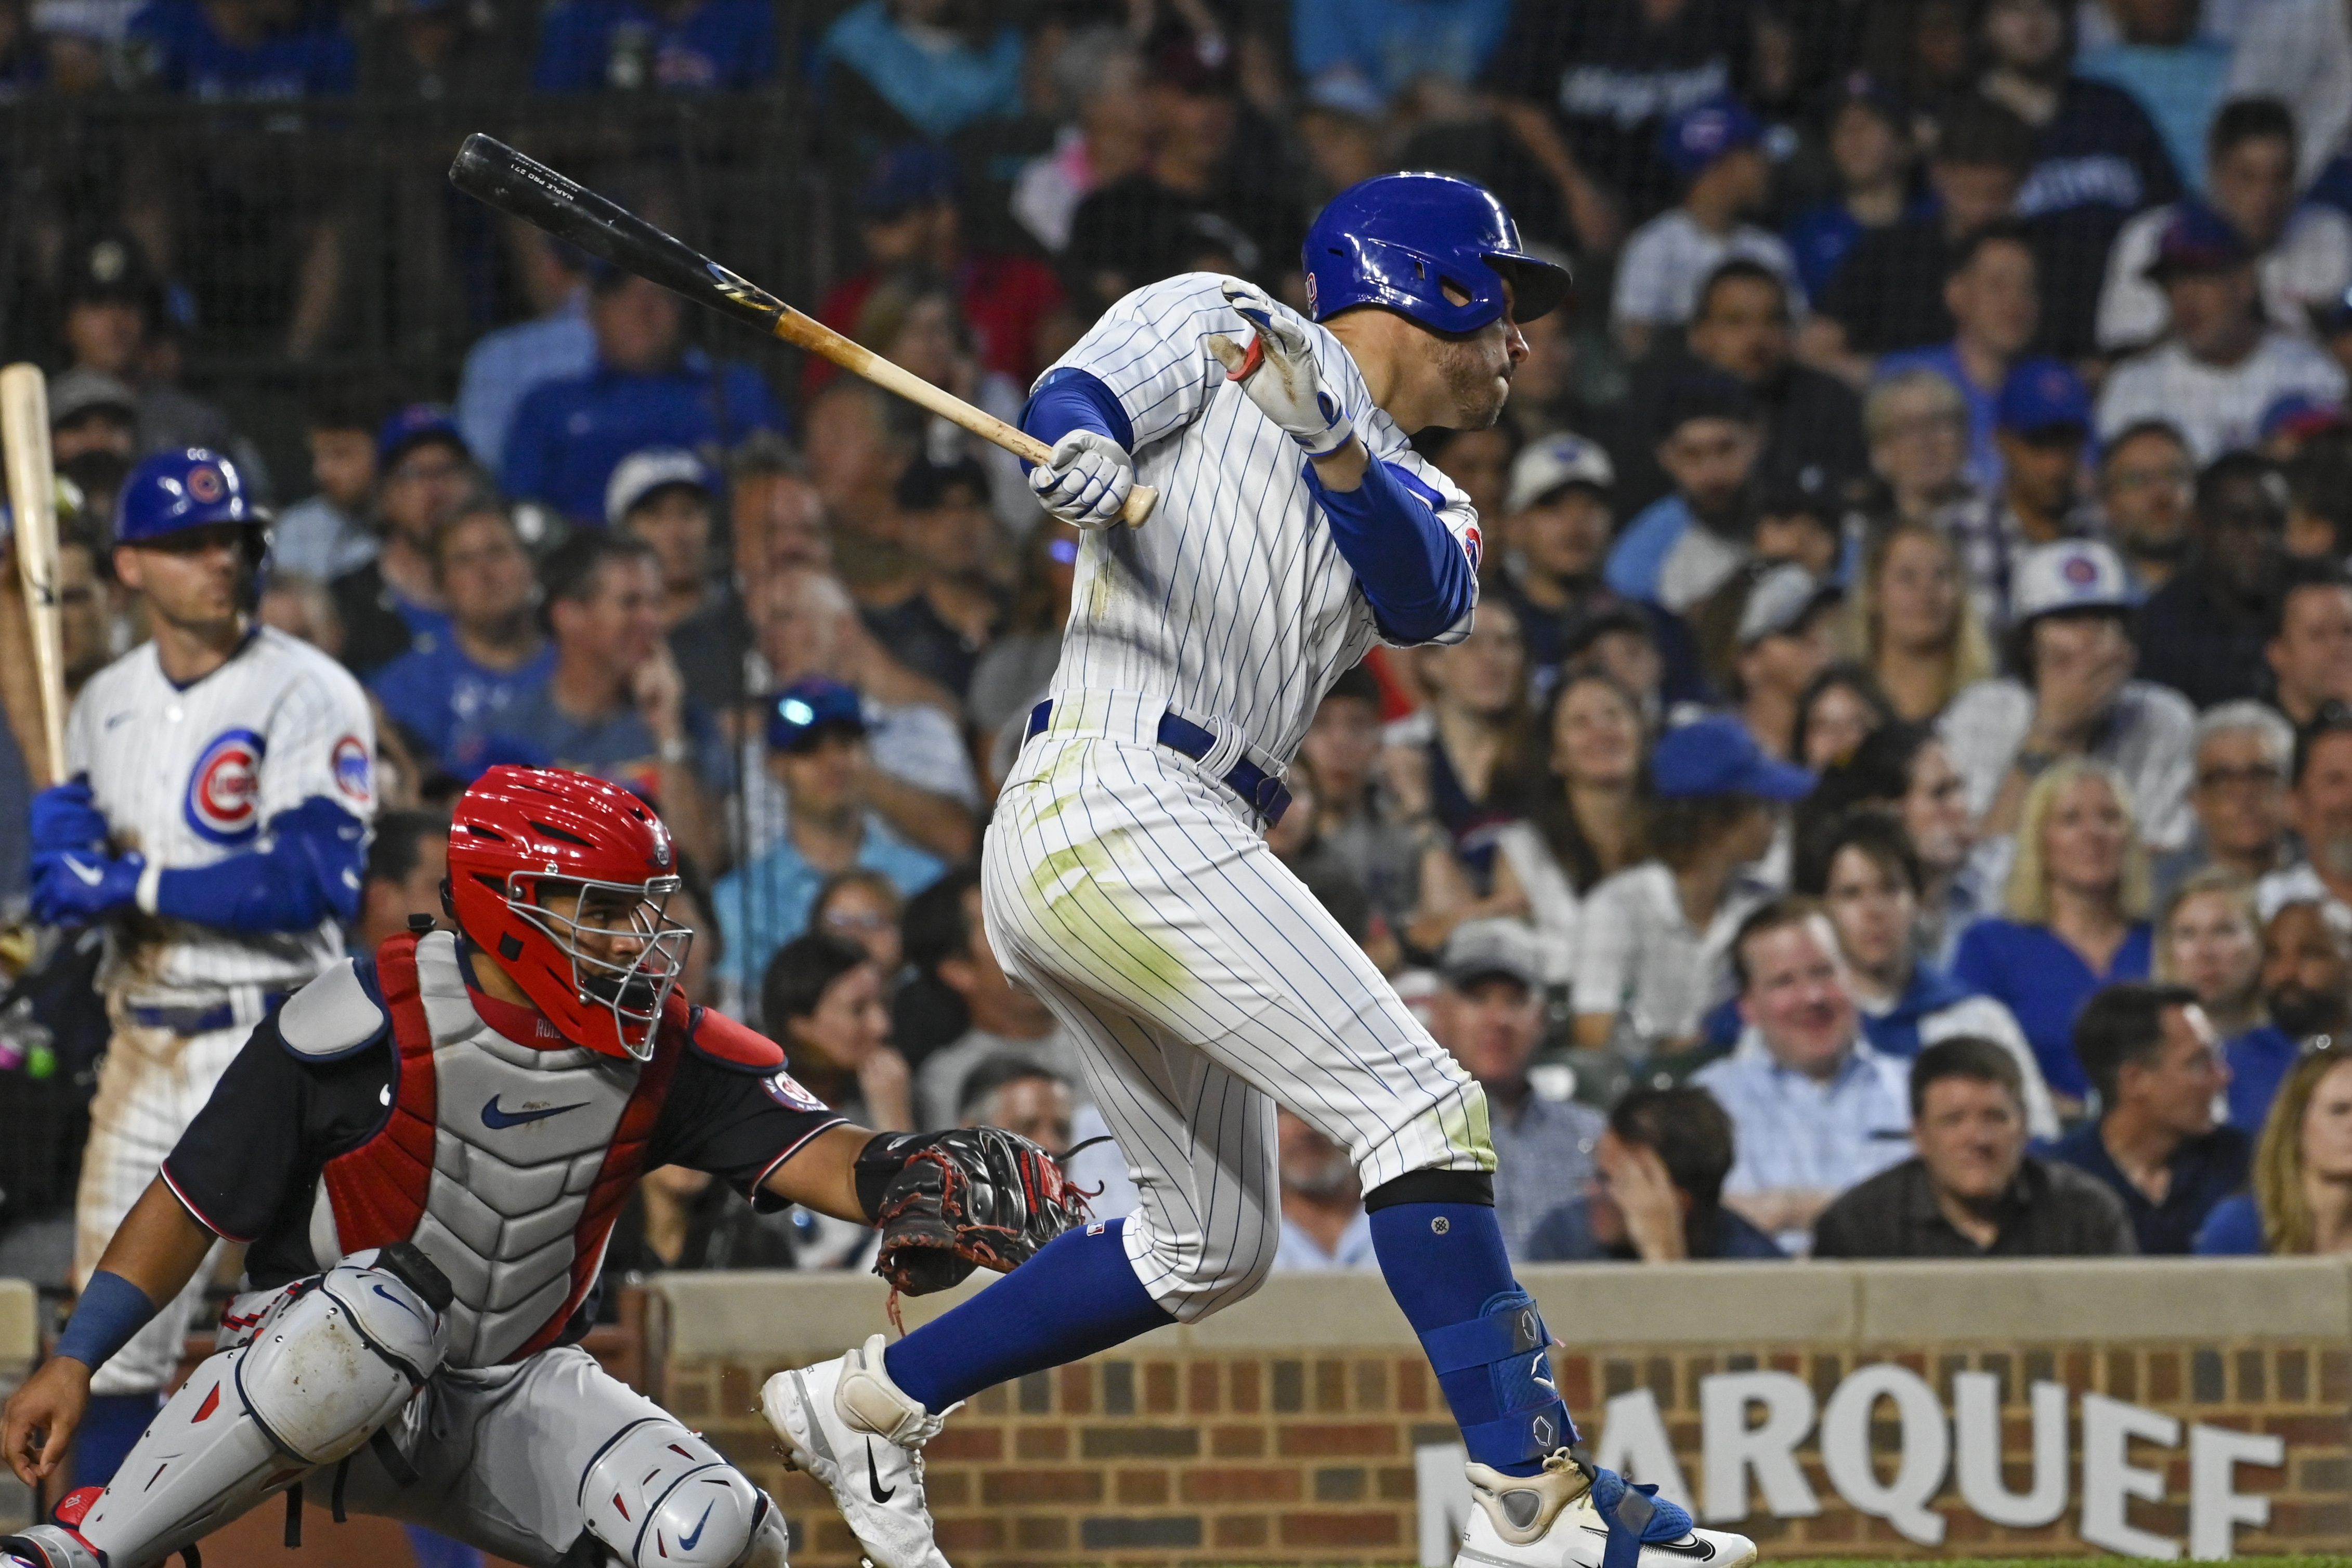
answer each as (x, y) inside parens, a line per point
(192, 776)
(1232, 603)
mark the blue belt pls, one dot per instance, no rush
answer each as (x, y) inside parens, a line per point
(1260, 790)
(197, 1020)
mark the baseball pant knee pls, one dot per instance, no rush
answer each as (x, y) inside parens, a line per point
(1193, 1274)
(660, 1497)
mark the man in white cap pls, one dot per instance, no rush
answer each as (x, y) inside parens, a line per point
(665, 495)
(1559, 523)
(2074, 695)
(1785, 637)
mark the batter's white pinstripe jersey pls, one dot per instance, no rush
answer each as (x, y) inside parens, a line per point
(1232, 603)
(190, 777)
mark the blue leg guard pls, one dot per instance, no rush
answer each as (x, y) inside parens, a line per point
(1516, 1417)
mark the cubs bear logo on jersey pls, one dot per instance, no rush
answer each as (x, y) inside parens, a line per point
(354, 769)
(223, 799)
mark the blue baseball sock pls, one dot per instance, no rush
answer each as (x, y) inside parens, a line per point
(111, 1427)
(1445, 1265)
(1077, 1296)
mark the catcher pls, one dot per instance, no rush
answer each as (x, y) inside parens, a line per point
(424, 1153)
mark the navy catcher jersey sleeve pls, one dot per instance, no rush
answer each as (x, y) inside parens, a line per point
(735, 1123)
(248, 1164)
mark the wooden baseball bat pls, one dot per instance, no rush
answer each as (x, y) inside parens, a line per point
(33, 501)
(489, 171)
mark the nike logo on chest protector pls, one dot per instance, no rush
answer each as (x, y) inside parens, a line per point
(511, 1183)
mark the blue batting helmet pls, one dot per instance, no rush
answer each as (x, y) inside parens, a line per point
(189, 487)
(1399, 240)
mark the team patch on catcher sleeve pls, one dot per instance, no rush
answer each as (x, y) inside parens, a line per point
(786, 1092)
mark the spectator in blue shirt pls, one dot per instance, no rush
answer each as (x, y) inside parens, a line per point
(904, 61)
(2307, 980)
(647, 390)
(1813, 1109)
(2152, 1054)
(1385, 46)
(2076, 916)
(669, 46)
(1870, 147)
(505, 366)
(1656, 1194)
(1992, 291)
(613, 703)
(1683, 547)
(494, 650)
(817, 751)
(2301, 1196)
(241, 50)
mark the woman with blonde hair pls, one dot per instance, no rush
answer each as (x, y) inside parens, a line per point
(2209, 939)
(2302, 1198)
(2075, 915)
(1912, 623)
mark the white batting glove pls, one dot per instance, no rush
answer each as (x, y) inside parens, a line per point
(1279, 373)
(1086, 481)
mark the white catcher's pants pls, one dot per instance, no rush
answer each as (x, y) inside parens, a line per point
(1132, 893)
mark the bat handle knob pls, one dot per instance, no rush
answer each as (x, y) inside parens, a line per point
(1141, 500)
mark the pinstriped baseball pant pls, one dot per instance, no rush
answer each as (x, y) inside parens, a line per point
(1131, 892)
(149, 1086)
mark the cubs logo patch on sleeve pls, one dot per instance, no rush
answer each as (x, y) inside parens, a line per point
(354, 770)
(223, 799)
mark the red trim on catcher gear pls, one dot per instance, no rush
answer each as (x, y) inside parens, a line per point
(721, 1038)
(377, 1190)
(75, 1506)
(624, 1161)
(1250, 361)
(211, 1404)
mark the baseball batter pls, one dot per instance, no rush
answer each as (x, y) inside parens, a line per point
(216, 820)
(1127, 884)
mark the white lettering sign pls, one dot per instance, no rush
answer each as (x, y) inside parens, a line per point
(1752, 1422)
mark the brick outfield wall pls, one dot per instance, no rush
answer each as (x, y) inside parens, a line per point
(1176, 1451)
(1299, 1460)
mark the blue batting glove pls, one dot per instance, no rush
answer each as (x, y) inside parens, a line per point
(64, 818)
(74, 887)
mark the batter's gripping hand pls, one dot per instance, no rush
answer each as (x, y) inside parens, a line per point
(1086, 481)
(75, 887)
(64, 818)
(975, 1196)
(1279, 373)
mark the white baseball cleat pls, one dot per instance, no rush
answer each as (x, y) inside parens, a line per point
(845, 1423)
(1574, 1515)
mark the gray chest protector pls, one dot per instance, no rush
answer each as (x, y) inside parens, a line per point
(504, 1162)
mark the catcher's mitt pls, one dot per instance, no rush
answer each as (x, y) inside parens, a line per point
(976, 1196)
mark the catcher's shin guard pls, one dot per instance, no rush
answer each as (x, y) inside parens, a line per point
(335, 1358)
(660, 1497)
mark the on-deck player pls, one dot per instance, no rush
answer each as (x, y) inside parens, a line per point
(426, 1150)
(216, 820)
(1127, 883)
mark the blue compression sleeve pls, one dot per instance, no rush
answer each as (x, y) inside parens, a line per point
(1413, 570)
(111, 1310)
(315, 860)
(1071, 399)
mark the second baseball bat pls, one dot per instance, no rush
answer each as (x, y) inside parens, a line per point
(493, 172)
(33, 501)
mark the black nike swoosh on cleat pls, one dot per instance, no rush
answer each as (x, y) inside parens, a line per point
(1697, 1549)
(873, 1477)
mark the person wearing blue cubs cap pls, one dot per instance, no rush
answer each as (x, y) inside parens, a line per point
(2042, 422)
(1716, 148)
(817, 751)
(214, 823)
(1651, 953)
(2221, 363)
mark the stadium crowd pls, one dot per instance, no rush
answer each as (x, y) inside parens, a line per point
(1896, 801)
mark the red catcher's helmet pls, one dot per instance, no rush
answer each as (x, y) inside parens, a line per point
(602, 974)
